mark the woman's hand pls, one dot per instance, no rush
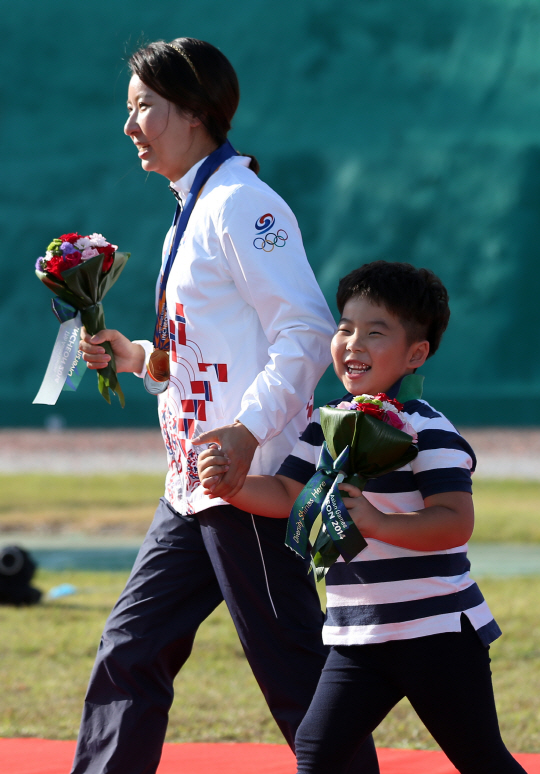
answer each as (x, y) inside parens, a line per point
(128, 356)
(238, 445)
(366, 517)
(212, 464)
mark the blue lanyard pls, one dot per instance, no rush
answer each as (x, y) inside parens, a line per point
(180, 221)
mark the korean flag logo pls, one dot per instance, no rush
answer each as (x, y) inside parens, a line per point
(264, 223)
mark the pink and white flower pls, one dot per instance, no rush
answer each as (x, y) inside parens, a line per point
(82, 243)
(89, 252)
(97, 240)
(384, 408)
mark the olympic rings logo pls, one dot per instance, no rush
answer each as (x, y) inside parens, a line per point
(270, 241)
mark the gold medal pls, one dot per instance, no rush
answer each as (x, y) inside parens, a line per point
(158, 365)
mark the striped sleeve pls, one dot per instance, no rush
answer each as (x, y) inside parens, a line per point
(445, 460)
(301, 463)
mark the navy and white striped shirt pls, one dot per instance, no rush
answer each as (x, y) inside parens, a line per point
(388, 592)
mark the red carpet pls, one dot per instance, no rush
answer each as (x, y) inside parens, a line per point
(42, 756)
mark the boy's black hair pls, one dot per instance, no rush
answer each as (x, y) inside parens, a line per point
(416, 297)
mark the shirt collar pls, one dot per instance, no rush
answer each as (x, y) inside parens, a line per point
(183, 186)
(392, 392)
(394, 389)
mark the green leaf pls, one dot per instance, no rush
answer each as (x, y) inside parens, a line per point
(411, 388)
(324, 554)
(375, 447)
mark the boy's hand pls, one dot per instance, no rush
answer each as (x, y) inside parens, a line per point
(212, 464)
(239, 445)
(366, 517)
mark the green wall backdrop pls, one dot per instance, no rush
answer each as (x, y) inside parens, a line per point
(398, 130)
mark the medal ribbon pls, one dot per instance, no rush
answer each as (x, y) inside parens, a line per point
(180, 221)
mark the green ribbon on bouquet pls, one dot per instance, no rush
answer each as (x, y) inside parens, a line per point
(322, 497)
(357, 447)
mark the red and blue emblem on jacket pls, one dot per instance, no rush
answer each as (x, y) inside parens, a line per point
(270, 239)
(264, 223)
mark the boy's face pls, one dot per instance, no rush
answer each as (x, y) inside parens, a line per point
(370, 349)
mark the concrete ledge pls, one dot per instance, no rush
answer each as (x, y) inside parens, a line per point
(501, 452)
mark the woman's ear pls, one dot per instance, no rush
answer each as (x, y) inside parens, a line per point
(419, 354)
(195, 119)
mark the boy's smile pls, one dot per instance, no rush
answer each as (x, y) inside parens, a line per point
(371, 349)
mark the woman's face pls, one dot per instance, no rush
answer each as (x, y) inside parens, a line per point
(165, 139)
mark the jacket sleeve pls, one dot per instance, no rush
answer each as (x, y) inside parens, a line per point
(263, 247)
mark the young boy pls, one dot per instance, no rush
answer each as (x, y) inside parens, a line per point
(404, 618)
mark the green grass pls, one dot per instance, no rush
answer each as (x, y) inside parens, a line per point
(515, 667)
(506, 511)
(93, 504)
(46, 654)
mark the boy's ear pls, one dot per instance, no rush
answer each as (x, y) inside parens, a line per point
(419, 354)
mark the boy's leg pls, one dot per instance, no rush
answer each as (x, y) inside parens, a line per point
(448, 681)
(352, 698)
(276, 610)
(147, 638)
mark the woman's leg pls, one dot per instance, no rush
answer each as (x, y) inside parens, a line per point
(448, 682)
(276, 610)
(352, 698)
(147, 638)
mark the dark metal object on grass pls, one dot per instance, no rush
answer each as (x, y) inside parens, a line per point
(17, 569)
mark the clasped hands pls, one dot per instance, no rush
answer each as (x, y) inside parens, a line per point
(214, 462)
(236, 445)
(235, 440)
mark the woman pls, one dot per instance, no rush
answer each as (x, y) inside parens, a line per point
(241, 339)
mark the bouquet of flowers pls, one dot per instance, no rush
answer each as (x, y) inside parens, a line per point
(79, 270)
(365, 438)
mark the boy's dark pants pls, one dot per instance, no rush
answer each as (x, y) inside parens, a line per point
(186, 566)
(446, 678)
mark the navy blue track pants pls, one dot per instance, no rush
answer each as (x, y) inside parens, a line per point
(187, 565)
(447, 679)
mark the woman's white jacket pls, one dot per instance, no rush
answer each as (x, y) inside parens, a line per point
(249, 327)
